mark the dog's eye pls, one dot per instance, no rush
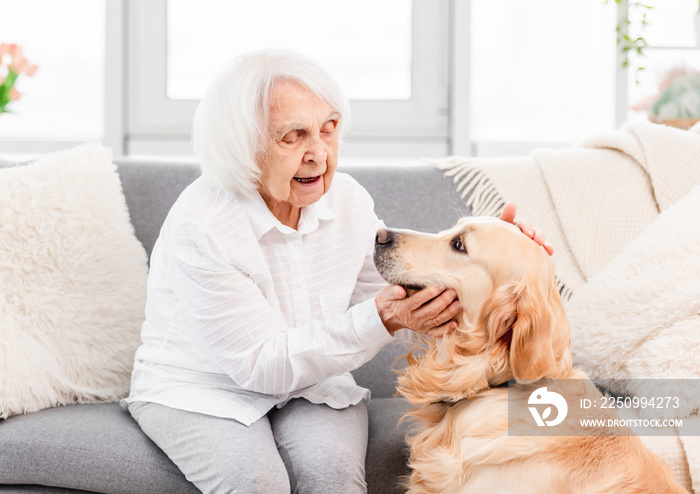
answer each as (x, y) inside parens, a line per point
(458, 244)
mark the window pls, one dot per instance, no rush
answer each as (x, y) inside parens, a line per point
(673, 44)
(370, 57)
(542, 70)
(392, 63)
(64, 99)
(425, 77)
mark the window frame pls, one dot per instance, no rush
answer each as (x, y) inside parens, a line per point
(455, 137)
(152, 116)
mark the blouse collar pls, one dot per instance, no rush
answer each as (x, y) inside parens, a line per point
(262, 220)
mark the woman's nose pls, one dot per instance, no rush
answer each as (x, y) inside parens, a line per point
(317, 151)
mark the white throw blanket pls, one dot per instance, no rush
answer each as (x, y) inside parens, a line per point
(631, 278)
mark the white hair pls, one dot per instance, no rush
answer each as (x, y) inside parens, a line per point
(230, 125)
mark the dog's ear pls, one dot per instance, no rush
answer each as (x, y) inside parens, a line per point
(529, 318)
(531, 352)
(501, 312)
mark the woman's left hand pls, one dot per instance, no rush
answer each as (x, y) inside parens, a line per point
(508, 215)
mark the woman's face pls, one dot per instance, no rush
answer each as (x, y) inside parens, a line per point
(301, 151)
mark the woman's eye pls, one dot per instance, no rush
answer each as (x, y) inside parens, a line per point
(328, 128)
(291, 137)
(458, 244)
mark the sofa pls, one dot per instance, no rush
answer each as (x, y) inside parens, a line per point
(98, 447)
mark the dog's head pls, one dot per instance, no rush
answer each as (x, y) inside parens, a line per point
(513, 324)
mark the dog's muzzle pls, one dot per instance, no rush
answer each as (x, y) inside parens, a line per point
(388, 261)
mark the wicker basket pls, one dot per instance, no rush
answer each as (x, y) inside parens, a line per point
(679, 123)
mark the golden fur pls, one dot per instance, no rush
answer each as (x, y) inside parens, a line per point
(513, 326)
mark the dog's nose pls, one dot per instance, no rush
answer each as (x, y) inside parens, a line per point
(384, 237)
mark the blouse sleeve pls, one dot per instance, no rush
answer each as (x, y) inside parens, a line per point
(369, 281)
(239, 329)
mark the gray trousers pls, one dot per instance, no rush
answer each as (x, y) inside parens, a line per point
(300, 448)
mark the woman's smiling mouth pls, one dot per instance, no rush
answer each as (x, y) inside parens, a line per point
(307, 180)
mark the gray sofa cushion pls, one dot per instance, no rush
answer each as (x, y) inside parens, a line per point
(417, 197)
(100, 448)
(387, 452)
(408, 199)
(150, 190)
(379, 374)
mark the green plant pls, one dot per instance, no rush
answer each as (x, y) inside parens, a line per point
(677, 96)
(680, 100)
(626, 44)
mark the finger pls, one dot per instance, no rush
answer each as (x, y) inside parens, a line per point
(442, 330)
(423, 296)
(431, 313)
(391, 293)
(449, 313)
(525, 227)
(538, 237)
(548, 247)
(508, 213)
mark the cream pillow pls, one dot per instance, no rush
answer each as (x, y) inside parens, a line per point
(72, 282)
(637, 321)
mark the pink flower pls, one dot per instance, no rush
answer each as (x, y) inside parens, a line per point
(8, 49)
(18, 64)
(14, 94)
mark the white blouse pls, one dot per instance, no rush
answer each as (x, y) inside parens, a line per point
(244, 313)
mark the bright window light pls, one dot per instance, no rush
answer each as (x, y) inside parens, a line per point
(672, 40)
(371, 63)
(65, 98)
(542, 70)
(669, 22)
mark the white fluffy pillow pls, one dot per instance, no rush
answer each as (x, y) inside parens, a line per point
(72, 283)
(638, 319)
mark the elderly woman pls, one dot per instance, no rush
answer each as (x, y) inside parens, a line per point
(243, 375)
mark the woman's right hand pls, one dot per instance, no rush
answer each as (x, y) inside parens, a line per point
(429, 311)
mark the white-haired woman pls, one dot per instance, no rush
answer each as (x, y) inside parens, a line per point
(243, 375)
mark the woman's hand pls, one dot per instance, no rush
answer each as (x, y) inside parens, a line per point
(508, 215)
(429, 311)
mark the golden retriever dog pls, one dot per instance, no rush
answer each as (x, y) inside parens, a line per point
(513, 327)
